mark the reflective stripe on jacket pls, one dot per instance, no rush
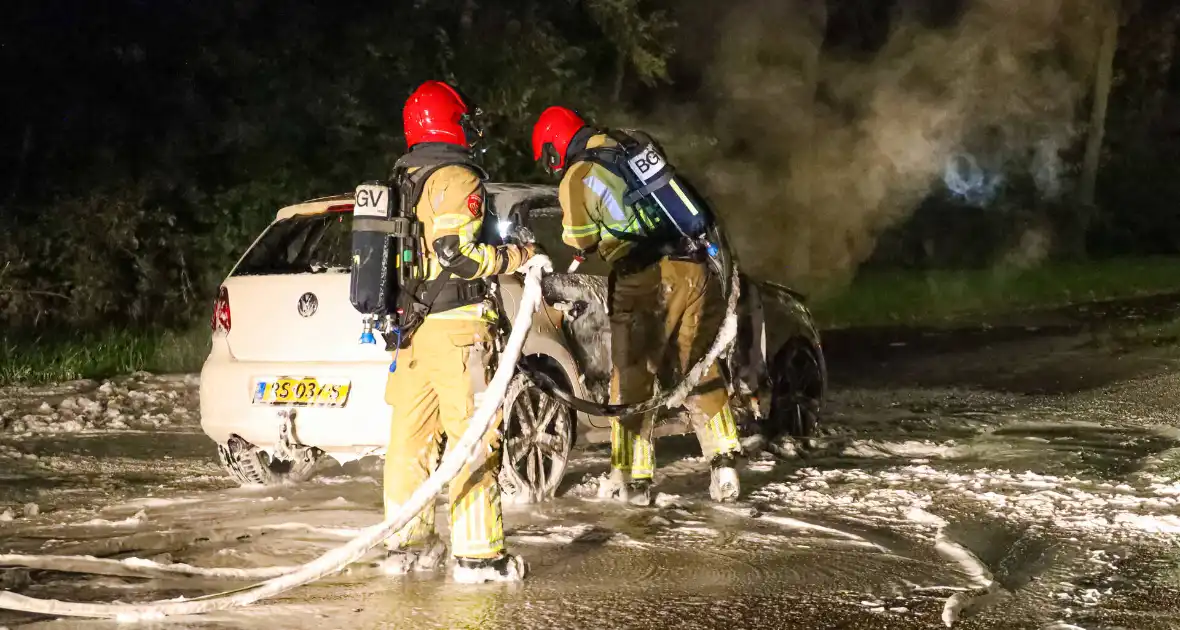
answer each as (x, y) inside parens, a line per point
(452, 204)
(592, 207)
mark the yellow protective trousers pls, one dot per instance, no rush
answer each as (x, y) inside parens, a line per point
(433, 392)
(670, 308)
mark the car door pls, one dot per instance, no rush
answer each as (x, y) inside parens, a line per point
(580, 297)
(535, 208)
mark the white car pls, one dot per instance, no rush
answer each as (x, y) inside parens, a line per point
(288, 382)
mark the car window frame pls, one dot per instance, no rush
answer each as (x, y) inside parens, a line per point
(326, 216)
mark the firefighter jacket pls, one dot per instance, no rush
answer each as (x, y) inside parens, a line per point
(451, 210)
(593, 212)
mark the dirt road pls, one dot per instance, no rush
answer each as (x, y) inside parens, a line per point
(1016, 476)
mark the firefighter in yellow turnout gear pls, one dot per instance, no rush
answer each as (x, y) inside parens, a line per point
(662, 301)
(446, 363)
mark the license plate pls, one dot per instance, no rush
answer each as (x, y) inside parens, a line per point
(301, 391)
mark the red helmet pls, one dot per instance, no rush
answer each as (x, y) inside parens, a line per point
(552, 134)
(436, 112)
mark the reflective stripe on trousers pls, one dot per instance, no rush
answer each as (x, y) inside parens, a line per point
(673, 305)
(633, 451)
(433, 393)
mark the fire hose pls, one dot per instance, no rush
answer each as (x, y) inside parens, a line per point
(283, 579)
(670, 398)
(337, 559)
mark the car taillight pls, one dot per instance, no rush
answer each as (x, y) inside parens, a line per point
(221, 320)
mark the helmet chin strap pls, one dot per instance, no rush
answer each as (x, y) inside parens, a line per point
(472, 131)
(550, 159)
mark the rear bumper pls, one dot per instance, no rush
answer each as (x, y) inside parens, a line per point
(359, 428)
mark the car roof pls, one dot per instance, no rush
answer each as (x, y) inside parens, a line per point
(505, 196)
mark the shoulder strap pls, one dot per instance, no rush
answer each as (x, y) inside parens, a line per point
(610, 158)
(412, 185)
(623, 138)
(614, 159)
(415, 185)
(428, 158)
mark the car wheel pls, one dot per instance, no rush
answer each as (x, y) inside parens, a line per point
(538, 436)
(251, 466)
(798, 385)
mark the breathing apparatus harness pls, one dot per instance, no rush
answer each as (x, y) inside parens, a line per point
(675, 223)
(388, 284)
(673, 220)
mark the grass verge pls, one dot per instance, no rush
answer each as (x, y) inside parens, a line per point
(1132, 336)
(882, 298)
(875, 298)
(97, 355)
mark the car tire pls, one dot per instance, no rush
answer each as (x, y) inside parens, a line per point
(538, 434)
(797, 391)
(251, 466)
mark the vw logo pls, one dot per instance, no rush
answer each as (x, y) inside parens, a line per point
(308, 304)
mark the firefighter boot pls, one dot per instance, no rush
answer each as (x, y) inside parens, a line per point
(639, 492)
(505, 568)
(425, 557)
(724, 486)
(622, 488)
(614, 486)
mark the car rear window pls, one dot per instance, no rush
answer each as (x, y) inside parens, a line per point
(301, 244)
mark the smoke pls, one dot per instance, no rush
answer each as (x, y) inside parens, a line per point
(808, 158)
(966, 179)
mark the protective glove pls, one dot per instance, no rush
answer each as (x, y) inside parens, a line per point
(536, 260)
(531, 250)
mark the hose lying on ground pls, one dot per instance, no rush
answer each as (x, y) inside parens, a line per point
(335, 560)
(670, 398)
(135, 567)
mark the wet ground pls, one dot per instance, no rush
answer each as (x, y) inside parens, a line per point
(1005, 476)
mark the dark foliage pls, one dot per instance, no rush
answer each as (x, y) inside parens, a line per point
(146, 143)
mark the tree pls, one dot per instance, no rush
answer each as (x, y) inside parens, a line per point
(1139, 148)
(1108, 19)
(640, 39)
